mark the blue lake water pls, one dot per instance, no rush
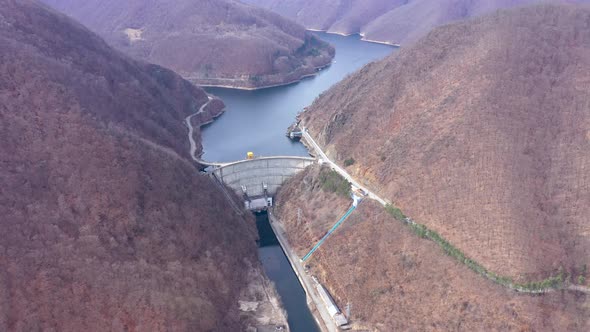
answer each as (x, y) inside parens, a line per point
(257, 120)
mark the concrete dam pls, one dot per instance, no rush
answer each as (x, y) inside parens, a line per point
(259, 179)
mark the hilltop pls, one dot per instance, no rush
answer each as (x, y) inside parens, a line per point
(221, 42)
(399, 22)
(106, 223)
(481, 132)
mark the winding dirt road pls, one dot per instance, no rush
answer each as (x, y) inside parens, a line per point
(191, 131)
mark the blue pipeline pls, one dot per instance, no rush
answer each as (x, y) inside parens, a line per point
(329, 232)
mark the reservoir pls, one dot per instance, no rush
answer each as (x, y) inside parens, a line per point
(257, 121)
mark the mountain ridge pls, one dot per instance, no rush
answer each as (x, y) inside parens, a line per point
(215, 43)
(479, 131)
(399, 22)
(106, 222)
(474, 143)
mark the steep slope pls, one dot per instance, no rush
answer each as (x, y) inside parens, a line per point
(395, 22)
(209, 42)
(395, 281)
(106, 225)
(482, 132)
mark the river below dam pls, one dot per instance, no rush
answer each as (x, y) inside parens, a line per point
(257, 121)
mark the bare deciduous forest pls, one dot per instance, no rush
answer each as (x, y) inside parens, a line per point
(480, 132)
(221, 42)
(105, 223)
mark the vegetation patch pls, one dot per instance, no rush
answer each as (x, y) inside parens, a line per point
(255, 78)
(582, 276)
(552, 282)
(380, 291)
(395, 212)
(349, 162)
(310, 47)
(333, 182)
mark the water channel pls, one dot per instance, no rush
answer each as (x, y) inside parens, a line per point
(257, 121)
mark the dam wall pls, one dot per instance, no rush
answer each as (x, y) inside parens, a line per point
(257, 174)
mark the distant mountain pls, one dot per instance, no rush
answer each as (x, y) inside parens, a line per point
(482, 132)
(392, 21)
(209, 42)
(340, 16)
(106, 224)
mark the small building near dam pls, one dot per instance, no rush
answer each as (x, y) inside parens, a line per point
(333, 309)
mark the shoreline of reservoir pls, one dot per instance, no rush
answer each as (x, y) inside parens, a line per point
(362, 35)
(318, 70)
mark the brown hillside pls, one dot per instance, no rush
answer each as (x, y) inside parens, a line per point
(341, 16)
(482, 132)
(397, 22)
(219, 42)
(105, 224)
(396, 281)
